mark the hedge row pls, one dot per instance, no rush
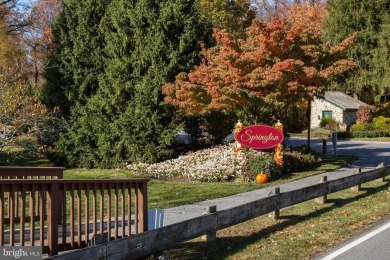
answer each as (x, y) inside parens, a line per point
(371, 133)
(294, 159)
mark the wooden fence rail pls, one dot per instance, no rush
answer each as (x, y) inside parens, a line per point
(153, 241)
(11, 172)
(71, 212)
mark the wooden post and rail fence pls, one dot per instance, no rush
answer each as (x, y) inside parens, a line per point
(149, 242)
(30, 173)
(39, 208)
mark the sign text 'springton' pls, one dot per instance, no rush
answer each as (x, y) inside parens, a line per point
(259, 137)
(248, 136)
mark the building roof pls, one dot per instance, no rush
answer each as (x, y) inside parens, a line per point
(343, 101)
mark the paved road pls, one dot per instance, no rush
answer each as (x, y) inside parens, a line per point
(370, 153)
(372, 244)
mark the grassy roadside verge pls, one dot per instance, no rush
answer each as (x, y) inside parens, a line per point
(303, 230)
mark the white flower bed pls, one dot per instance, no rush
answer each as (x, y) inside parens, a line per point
(214, 164)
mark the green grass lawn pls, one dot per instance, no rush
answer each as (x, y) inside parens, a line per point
(15, 156)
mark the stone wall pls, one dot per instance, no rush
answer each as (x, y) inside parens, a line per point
(319, 105)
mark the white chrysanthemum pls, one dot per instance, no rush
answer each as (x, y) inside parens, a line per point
(214, 164)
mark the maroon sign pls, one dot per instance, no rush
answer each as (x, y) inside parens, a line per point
(259, 137)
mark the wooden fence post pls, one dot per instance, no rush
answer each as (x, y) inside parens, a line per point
(323, 199)
(275, 215)
(382, 165)
(210, 236)
(358, 187)
(142, 201)
(53, 217)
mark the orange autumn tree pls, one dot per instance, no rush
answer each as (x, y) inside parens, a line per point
(38, 37)
(25, 121)
(277, 65)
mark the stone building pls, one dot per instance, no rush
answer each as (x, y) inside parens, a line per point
(337, 105)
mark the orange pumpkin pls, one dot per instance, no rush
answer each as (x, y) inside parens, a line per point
(262, 178)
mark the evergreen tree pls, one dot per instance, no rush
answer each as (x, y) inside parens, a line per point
(372, 48)
(234, 15)
(113, 81)
(72, 74)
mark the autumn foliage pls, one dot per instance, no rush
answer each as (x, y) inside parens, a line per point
(280, 62)
(43, 14)
(365, 114)
(20, 106)
(24, 46)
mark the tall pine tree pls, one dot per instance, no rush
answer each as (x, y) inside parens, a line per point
(372, 48)
(234, 15)
(113, 82)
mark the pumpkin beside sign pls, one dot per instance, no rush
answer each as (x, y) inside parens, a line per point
(262, 178)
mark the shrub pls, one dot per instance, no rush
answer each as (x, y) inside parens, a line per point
(297, 159)
(344, 134)
(379, 128)
(218, 125)
(319, 133)
(383, 109)
(329, 123)
(371, 134)
(192, 126)
(261, 162)
(364, 114)
(381, 122)
(362, 127)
